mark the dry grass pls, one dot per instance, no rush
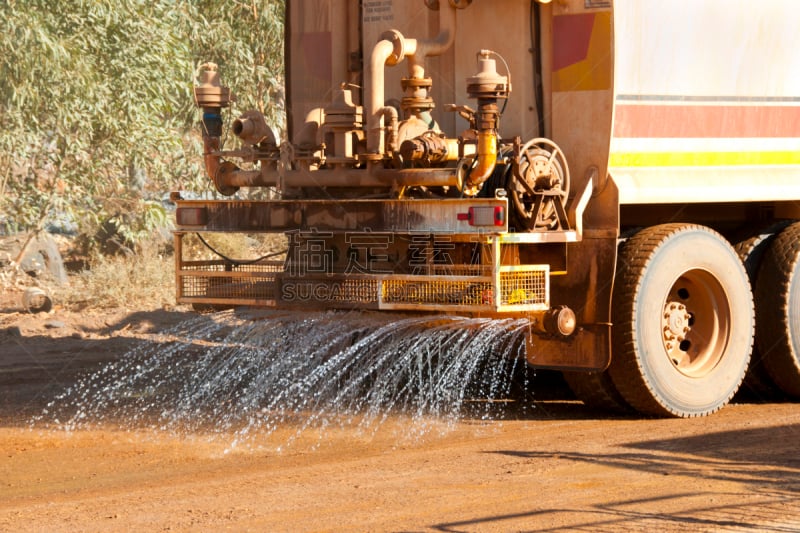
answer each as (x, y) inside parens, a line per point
(240, 246)
(142, 281)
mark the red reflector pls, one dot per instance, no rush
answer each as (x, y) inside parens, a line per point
(462, 216)
(486, 216)
(191, 216)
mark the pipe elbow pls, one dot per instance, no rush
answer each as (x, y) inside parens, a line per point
(436, 46)
(388, 50)
(374, 76)
(444, 40)
(391, 113)
(216, 168)
(307, 134)
(210, 155)
(486, 160)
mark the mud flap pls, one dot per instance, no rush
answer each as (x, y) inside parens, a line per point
(589, 349)
(587, 290)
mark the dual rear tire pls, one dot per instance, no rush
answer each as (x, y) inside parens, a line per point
(777, 290)
(685, 321)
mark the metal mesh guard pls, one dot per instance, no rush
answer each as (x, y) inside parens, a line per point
(437, 291)
(519, 288)
(329, 291)
(524, 288)
(220, 281)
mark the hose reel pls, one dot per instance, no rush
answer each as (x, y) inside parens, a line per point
(539, 185)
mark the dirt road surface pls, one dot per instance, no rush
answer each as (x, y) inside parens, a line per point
(557, 466)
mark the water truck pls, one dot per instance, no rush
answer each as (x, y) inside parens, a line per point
(624, 174)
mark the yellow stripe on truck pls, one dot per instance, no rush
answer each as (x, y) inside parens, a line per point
(692, 159)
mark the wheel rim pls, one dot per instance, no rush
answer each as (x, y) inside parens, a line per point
(696, 323)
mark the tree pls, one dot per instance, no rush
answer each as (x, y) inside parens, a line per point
(251, 63)
(96, 109)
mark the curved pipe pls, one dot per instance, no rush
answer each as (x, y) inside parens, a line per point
(391, 113)
(225, 175)
(251, 127)
(392, 49)
(211, 155)
(436, 46)
(216, 168)
(374, 90)
(486, 159)
(307, 135)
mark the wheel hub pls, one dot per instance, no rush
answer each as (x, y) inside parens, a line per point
(676, 322)
(695, 323)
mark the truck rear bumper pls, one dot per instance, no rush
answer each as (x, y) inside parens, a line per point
(446, 216)
(444, 288)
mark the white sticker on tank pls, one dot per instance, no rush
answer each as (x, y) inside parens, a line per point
(378, 10)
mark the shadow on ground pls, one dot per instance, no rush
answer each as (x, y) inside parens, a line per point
(764, 483)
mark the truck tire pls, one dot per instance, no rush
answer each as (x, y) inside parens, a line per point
(596, 390)
(778, 309)
(751, 251)
(683, 321)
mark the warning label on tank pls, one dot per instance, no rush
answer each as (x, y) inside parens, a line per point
(378, 11)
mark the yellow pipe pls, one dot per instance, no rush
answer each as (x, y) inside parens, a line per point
(486, 161)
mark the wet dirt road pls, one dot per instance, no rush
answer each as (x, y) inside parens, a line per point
(555, 466)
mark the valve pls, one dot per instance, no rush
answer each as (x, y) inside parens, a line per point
(209, 92)
(487, 86)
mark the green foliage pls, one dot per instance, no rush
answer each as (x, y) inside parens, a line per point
(96, 107)
(245, 38)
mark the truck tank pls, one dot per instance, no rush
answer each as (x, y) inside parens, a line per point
(624, 175)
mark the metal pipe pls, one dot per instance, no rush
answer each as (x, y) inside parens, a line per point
(307, 134)
(251, 127)
(234, 178)
(218, 170)
(211, 155)
(374, 90)
(486, 160)
(436, 46)
(418, 177)
(211, 97)
(391, 113)
(391, 50)
(338, 177)
(487, 86)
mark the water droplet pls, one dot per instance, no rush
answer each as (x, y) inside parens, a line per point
(226, 373)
